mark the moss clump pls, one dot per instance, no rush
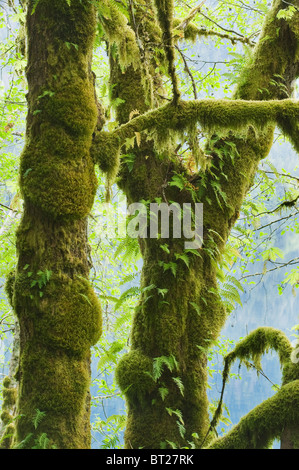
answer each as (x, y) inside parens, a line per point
(105, 152)
(67, 316)
(9, 286)
(49, 370)
(9, 397)
(134, 375)
(6, 382)
(55, 382)
(71, 107)
(257, 343)
(60, 188)
(290, 372)
(56, 171)
(6, 417)
(7, 437)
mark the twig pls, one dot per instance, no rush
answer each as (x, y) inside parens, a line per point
(188, 72)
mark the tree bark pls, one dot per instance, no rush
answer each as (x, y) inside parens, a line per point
(58, 312)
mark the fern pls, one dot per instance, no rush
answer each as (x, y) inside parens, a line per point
(131, 292)
(179, 383)
(42, 442)
(24, 442)
(163, 392)
(182, 429)
(159, 362)
(177, 413)
(37, 418)
(130, 249)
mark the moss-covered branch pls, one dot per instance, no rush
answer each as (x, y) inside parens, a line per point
(165, 10)
(193, 32)
(266, 422)
(212, 115)
(257, 343)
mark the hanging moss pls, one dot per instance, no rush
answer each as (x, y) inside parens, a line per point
(257, 343)
(220, 116)
(118, 32)
(105, 152)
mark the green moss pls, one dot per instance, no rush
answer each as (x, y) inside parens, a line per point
(60, 188)
(134, 375)
(56, 171)
(118, 32)
(261, 426)
(257, 343)
(7, 437)
(6, 382)
(105, 152)
(9, 286)
(9, 397)
(290, 372)
(6, 417)
(57, 384)
(67, 316)
(269, 65)
(60, 318)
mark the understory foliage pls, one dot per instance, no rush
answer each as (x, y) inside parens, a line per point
(125, 110)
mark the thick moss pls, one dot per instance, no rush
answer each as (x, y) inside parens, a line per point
(134, 375)
(118, 32)
(261, 426)
(185, 321)
(252, 348)
(55, 383)
(67, 315)
(9, 286)
(58, 312)
(105, 152)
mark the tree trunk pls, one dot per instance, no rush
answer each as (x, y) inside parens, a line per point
(58, 312)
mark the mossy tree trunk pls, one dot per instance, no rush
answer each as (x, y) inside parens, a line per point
(180, 313)
(58, 312)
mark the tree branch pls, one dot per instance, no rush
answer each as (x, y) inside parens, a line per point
(165, 16)
(212, 115)
(253, 347)
(265, 422)
(191, 31)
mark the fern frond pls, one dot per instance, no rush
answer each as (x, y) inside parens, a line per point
(38, 417)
